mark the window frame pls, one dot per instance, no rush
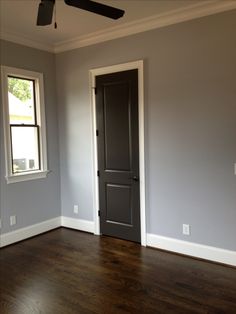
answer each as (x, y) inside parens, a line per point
(37, 77)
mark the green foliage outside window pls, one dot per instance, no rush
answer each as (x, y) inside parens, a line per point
(19, 88)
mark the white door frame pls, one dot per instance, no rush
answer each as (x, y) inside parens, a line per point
(92, 78)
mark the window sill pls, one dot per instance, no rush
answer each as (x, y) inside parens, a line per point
(26, 176)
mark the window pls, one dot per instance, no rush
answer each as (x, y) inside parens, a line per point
(24, 125)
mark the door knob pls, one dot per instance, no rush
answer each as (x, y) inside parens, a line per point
(135, 178)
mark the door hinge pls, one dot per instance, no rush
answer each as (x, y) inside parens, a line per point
(99, 213)
(98, 173)
(97, 132)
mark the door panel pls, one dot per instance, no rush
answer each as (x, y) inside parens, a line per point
(118, 154)
(118, 196)
(116, 126)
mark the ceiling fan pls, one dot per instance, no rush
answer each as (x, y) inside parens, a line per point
(46, 7)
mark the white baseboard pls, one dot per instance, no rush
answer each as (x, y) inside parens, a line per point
(30, 231)
(193, 249)
(78, 224)
(33, 230)
(153, 240)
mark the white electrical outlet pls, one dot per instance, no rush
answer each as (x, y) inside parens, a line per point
(12, 220)
(76, 209)
(186, 229)
(235, 168)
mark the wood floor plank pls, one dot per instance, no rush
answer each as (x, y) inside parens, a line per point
(66, 271)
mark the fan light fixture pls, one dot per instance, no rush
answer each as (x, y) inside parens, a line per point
(46, 7)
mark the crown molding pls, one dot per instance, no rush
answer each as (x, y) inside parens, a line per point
(22, 40)
(201, 9)
(190, 12)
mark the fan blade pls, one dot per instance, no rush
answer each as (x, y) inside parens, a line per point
(97, 8)
(45, 12)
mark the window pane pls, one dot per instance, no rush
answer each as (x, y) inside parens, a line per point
(21, 100)
(25, 148)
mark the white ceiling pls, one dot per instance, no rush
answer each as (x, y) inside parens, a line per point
(18, 18)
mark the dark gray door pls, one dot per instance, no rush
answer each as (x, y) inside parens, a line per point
(118, 154)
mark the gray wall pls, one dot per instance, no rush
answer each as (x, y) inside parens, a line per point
(38, 200)
(190, 126)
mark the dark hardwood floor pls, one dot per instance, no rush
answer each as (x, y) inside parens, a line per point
(66, 271)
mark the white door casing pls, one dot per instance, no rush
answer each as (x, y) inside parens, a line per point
(92, 78)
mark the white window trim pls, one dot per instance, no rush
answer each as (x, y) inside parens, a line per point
(39, 94)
